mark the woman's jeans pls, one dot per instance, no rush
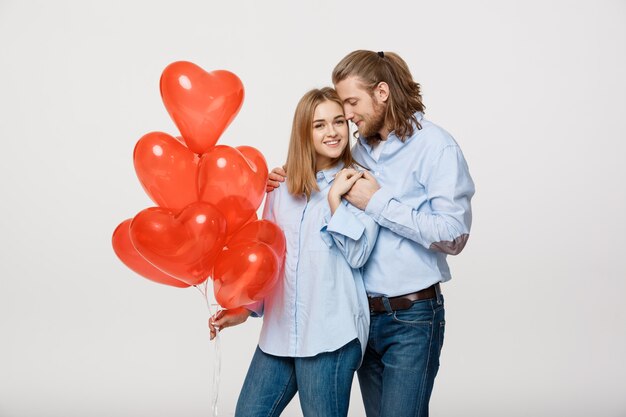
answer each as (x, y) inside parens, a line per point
(402, 359)
(323, 383)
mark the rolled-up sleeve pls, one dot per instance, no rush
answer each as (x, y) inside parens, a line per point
(354, 233)
(445, 226)
(256, 308)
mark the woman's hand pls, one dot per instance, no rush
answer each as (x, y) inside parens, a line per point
(363, 191)
(344, 180)
(227, 318)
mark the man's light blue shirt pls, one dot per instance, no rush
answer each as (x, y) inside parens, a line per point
(319, 303)
(423, 208)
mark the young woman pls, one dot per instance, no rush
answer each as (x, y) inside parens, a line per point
(316, 320)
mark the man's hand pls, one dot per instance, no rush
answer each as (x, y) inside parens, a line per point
(277, 176)
(362, 191)
(227, 318)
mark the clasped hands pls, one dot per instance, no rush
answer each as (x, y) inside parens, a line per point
(357, 187)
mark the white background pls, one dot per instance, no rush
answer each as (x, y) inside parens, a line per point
(533, 91)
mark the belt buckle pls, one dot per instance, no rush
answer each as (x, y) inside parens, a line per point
(376, 304)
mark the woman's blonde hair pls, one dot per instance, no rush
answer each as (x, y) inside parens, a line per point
(301, 157)
(405, 97)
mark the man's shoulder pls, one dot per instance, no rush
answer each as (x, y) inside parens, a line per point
(431, 138)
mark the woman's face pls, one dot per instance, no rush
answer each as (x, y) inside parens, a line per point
(330, 133)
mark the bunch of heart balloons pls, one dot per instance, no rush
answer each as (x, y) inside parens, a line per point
(205, 225)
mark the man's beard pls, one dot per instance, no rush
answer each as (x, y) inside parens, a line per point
(374, 123)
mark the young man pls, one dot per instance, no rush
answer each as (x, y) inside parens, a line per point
(418, 189)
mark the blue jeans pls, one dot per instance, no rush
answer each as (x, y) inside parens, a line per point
(322, 381)
(402, 359)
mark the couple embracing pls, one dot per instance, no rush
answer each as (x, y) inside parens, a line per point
(368, 230)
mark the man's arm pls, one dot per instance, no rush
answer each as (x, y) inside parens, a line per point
(445, 227)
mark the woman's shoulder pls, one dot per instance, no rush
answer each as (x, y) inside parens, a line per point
(281, 195)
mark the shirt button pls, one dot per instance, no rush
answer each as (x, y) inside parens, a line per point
(376, 173)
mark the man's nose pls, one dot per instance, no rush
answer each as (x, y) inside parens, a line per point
(347, 109)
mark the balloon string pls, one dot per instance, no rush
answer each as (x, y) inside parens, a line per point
(217, 355)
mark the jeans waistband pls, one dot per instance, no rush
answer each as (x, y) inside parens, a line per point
(402, 302)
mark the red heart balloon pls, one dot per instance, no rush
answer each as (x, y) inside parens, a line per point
(183, 245)
(252, 218)
(244, 273)
(259, 167)
(262, 231)
(127, 253)
(232, 183)
(201, 104)
(167, 170)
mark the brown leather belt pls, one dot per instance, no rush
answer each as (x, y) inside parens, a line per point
(402, 302)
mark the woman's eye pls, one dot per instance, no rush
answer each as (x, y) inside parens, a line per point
(340, 122)
(318, 126)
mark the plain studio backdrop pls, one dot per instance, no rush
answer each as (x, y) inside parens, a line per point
(533, 91)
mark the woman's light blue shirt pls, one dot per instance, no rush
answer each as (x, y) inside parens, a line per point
(319, 303)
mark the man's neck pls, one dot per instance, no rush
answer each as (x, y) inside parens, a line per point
(384, 133)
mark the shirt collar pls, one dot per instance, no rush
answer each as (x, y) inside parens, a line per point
(328, 175)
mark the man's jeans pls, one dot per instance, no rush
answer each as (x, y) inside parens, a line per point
(402, 359)
(322, 381)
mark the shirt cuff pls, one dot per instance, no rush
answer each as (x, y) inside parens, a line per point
(377, 203)
(256, 309)
(345, 223)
